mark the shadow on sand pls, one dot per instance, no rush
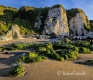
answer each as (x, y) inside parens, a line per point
(3, 72)
(11, 59)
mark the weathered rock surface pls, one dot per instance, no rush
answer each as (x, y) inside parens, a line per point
(56, 22)
(13, 33)
(38, 23)
(77, 24)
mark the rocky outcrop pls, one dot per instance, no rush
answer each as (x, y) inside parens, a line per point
(13, 33)
(77, 23)
(38, 22)
(56, 22)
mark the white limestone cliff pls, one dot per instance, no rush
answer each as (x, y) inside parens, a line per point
(76, 24)
(38, 22)
(56, 22)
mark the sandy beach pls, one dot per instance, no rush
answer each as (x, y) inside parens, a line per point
(48, 69)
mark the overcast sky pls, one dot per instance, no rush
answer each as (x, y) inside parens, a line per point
(86, 5)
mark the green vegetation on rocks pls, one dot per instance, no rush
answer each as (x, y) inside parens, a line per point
(67, 51)
(58, 51)
(20, 46)
(88, 62)
(83, 46)
(16, 69)
(84, 50)
(31, 57)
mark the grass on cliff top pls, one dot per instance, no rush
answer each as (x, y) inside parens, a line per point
(57, 6)
(72, 12)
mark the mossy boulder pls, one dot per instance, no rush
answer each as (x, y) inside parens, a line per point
(88, 62)
(16, 69)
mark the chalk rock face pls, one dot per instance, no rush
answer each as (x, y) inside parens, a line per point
(13, 33)
(56, 22)
(38, 23)
(77, 24)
